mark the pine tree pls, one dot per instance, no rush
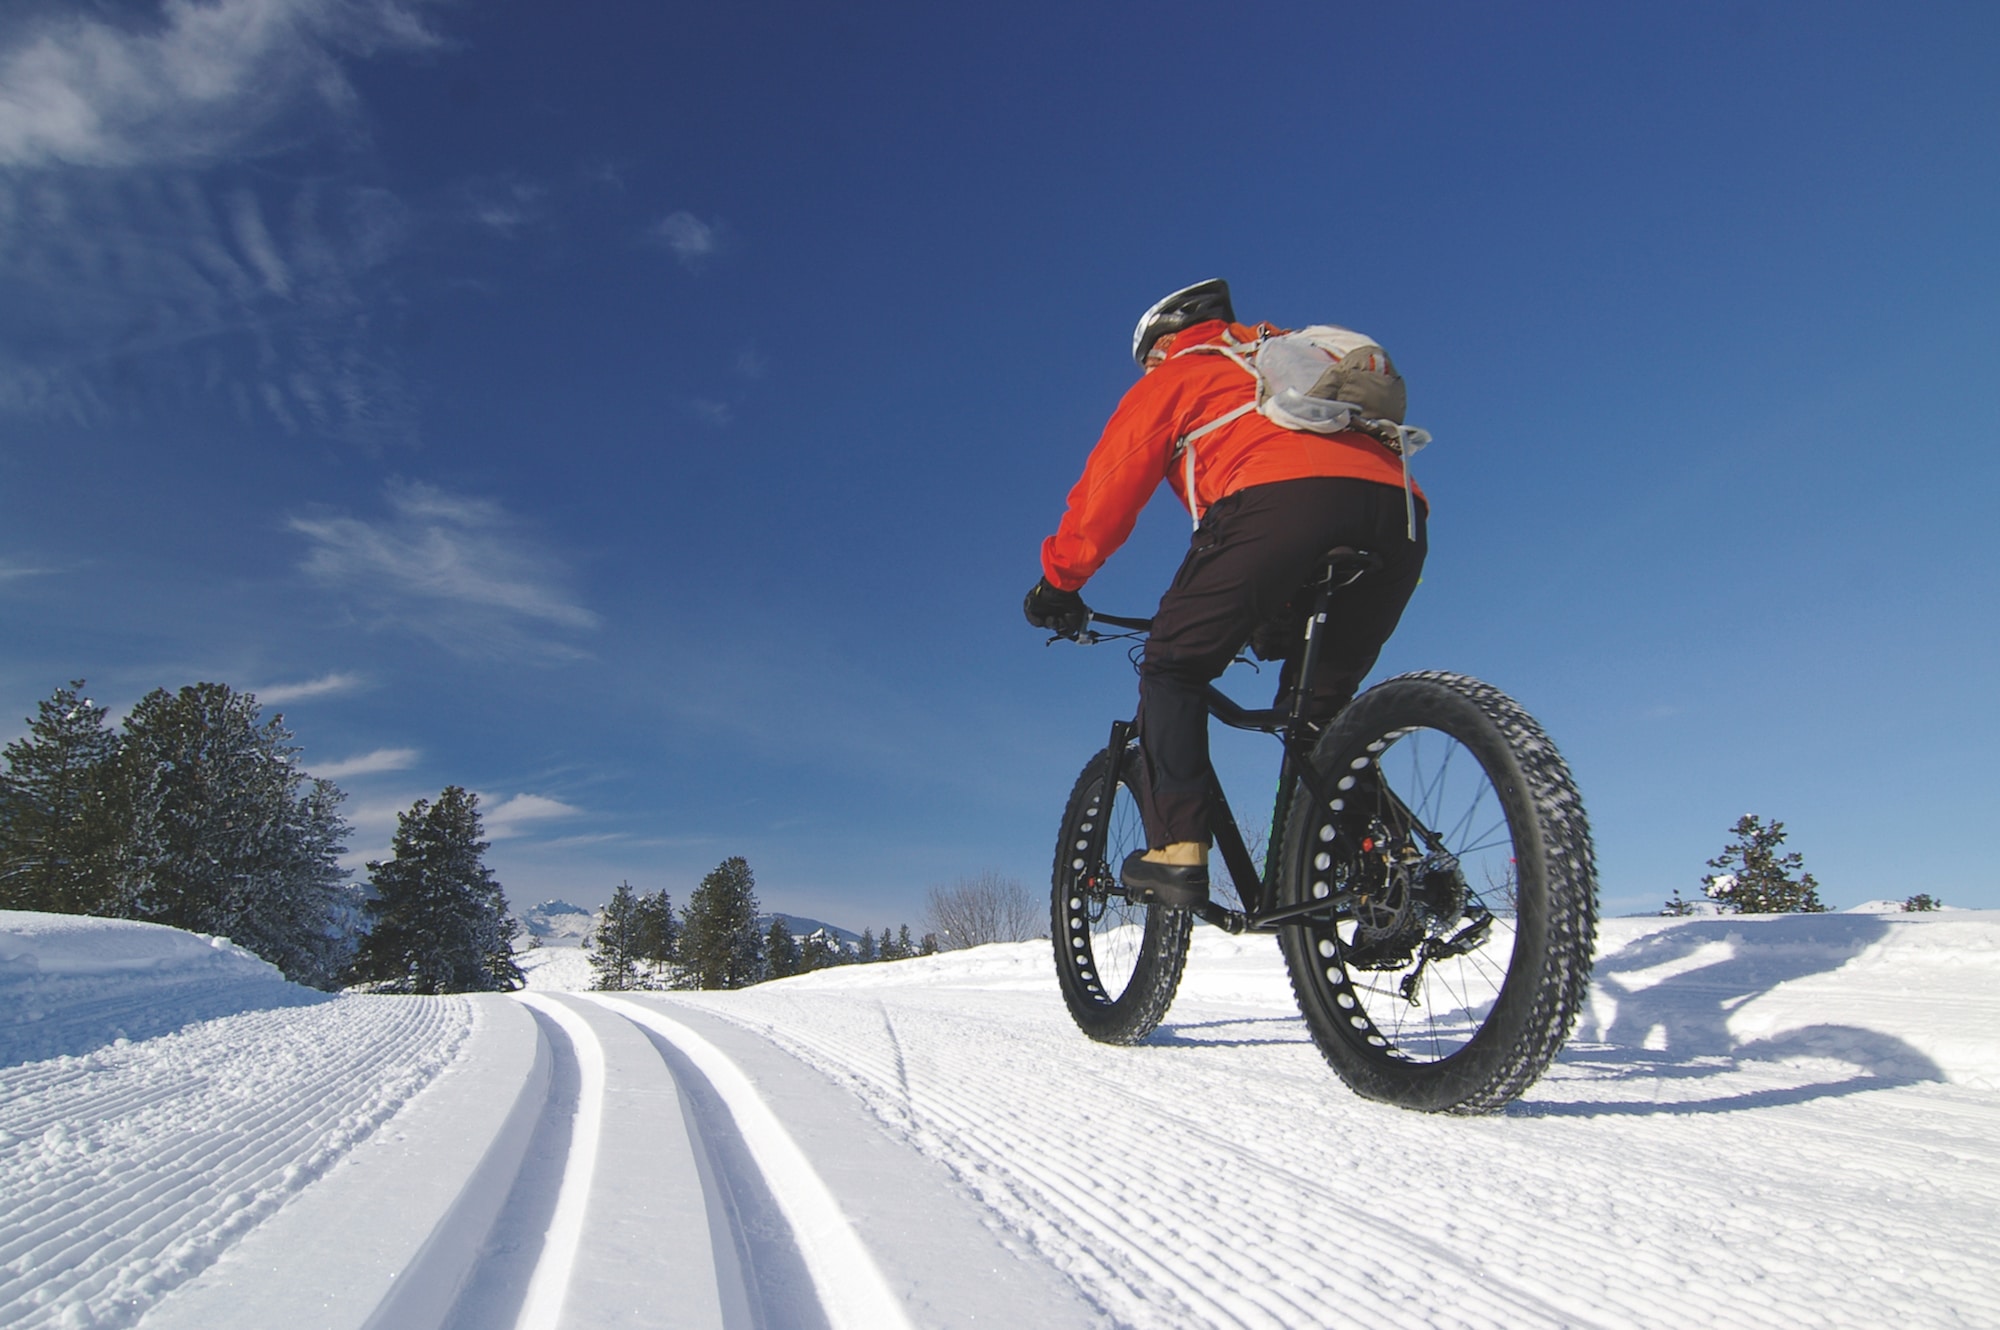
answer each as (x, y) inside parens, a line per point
(1921, 902)
(440, 920)
(720, 946)
(657, 940)
(65, 830)
(1751, 877)
(614, 942)
(781, 950)
(929, 945)
(865, 953)
(230, 836)
(904, 947)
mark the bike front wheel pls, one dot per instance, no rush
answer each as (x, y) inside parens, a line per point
(1119, 963)
(1456, 864)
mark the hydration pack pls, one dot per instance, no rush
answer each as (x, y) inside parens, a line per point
(1320, 379)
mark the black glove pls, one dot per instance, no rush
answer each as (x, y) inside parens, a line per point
(1056, 610)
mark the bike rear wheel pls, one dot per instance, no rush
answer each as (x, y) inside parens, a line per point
(1120, 963)
(1457, 865)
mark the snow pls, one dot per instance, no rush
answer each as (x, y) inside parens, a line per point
(1761, 1121)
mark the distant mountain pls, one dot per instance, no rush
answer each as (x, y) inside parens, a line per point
(557, 923)
(803, 927)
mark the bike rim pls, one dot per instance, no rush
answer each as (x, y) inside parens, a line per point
(1384, 962)
(1106, 934)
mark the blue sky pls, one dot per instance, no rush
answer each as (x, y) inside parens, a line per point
(647, 414)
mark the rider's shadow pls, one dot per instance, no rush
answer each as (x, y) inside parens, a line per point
(1676, 1027)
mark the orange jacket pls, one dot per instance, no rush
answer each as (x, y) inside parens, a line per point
(1136, 452)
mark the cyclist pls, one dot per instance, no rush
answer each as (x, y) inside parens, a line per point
(1268, 504)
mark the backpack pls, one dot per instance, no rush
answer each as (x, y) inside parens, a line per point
(1320, 379)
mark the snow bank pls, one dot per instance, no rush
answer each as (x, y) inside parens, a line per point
(70, 983)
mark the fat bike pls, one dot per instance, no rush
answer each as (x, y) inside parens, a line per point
(1429, 875)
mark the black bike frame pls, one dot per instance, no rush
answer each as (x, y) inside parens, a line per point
(1289, 726)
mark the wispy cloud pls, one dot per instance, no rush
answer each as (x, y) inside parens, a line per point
(693, 241)
(368, 764)
(457, 569)
(506, 207)
(144, 268)
(714, 412)
(211, 78)
(272, 694)
(14, 572)
(513, 816)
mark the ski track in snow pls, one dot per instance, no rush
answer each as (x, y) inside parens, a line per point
(1759, 1123)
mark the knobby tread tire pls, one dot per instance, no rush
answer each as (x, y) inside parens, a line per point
(1556, 886)
(1137, 1008)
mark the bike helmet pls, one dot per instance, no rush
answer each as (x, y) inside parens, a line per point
(1183, 309)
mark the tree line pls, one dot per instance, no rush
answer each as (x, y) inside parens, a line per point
(638, 941)
(195, 813)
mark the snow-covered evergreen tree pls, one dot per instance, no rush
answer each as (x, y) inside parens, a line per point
(1751, 877)
(719, 945)
(440, 920)
(65, 831)
(231, 837)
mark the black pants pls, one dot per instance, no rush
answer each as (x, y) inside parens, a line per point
(1246, 566)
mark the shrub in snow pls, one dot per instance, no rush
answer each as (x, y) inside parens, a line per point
(1751, 877)
(440, 920)
(974, 911)
(1923, 900)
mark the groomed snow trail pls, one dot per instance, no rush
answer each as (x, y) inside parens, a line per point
(127, 1167)
(1756, 1127)
(1784, 1122)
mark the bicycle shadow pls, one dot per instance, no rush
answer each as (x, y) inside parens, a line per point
(1676, 1028)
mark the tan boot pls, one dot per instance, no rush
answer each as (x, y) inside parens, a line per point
(1175, 875)
(1181, 854)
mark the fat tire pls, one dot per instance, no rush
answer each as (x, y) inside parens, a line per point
(1555, 901)
(1085, 901)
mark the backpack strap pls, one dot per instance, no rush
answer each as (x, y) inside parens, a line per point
(1184, 445)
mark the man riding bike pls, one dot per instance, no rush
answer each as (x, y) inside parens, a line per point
(1268, 503)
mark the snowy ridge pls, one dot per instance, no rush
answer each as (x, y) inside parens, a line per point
(1761, 1122)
